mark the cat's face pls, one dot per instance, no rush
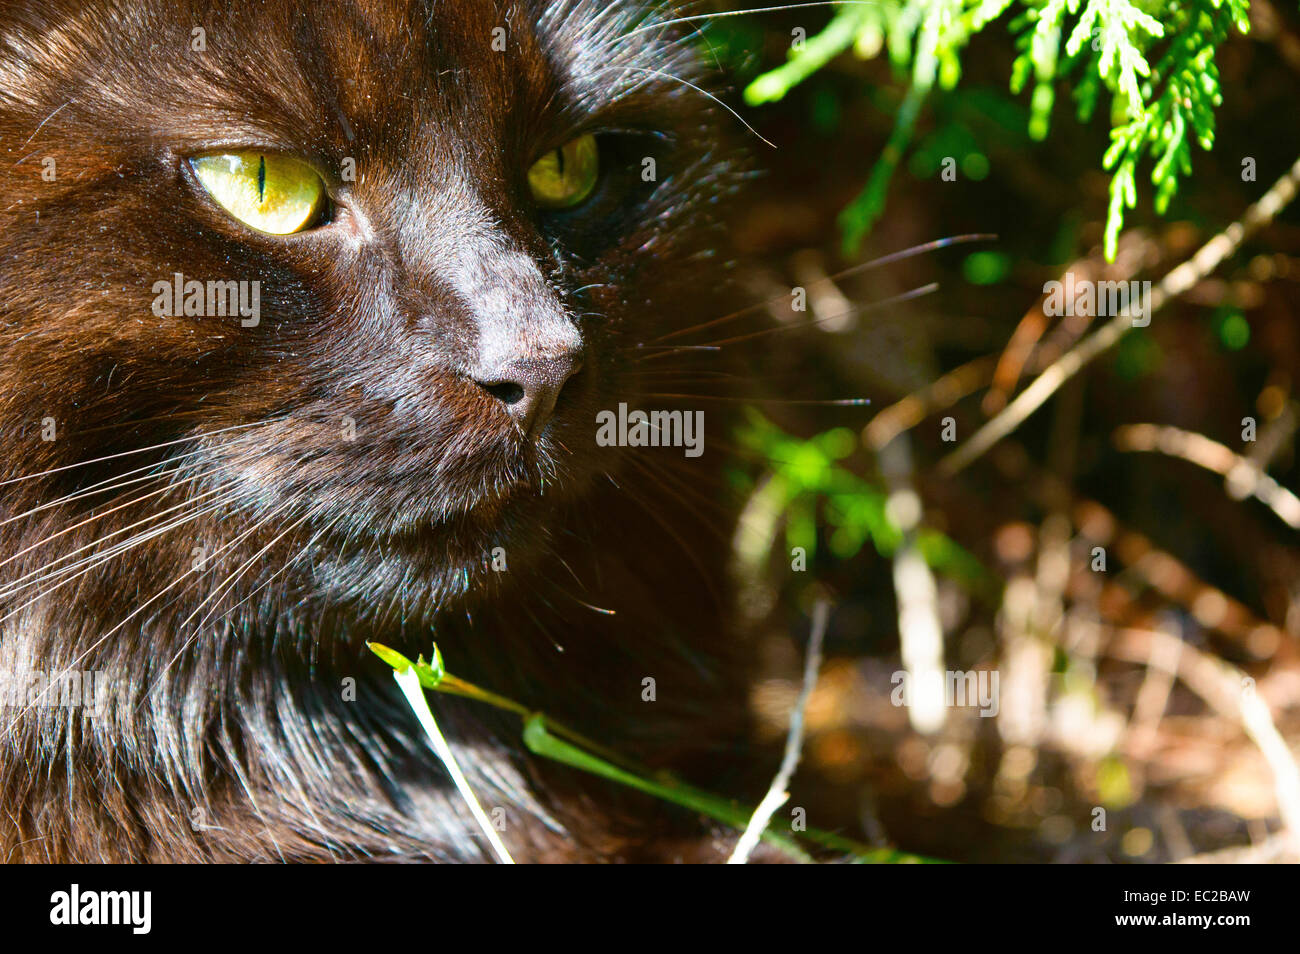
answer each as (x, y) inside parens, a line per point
(493, 204)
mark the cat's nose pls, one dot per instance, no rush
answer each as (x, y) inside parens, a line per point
(529, 387)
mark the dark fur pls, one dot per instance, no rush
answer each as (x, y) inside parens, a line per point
(376, 317)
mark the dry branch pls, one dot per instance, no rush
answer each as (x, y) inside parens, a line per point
(1175, 283)
(1216, 457)
(1232, 694)
(777, 793)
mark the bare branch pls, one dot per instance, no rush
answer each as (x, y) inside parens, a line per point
(1232, 694)
(1215, 457)
(1175, 283)
(777, 793)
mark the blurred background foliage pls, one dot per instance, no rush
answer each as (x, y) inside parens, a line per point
(938, 162)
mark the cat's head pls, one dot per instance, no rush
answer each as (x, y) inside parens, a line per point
(363, 272)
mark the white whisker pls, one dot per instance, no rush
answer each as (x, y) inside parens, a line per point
(118, 549)
(661, 24)
(13, 585)
(139, 450)
(678, 79)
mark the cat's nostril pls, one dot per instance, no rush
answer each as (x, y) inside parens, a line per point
(507, 392)
(529, 387)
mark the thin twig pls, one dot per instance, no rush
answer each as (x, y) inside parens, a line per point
(1233, 695)
(942, 393)
(777, 793)
(1174, 580)
(1134, 253)
(920, 630)
(1175, 283)
(1215, 457)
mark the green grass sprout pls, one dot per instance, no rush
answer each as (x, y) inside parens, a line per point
(549, 739)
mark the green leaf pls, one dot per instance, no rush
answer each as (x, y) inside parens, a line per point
(1161, 105)
(391, 656)
(815, 53)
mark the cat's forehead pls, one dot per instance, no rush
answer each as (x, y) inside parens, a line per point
(333, 72)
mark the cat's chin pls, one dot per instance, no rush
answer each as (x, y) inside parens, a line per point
(432, 568)
(489, 511)
(502, 528)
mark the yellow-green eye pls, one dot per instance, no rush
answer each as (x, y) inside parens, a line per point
(564, 177)
(267, 192)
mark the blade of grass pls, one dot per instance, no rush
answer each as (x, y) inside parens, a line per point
(541, 742)
(548, 739)
(409, 680)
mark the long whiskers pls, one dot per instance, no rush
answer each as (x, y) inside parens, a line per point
(235, 576)
(99, 559)
(171, 486)
(661, 24)
(238, 574)
(856, 310)
(107, 485)
(138, 450)
(188, 574)
(12, 586)
(880, 262)
(700, 90)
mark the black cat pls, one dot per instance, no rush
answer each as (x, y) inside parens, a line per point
(307, 313)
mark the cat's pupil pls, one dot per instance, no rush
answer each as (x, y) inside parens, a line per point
(261, 178)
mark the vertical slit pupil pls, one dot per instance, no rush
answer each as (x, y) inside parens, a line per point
(261, 178)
